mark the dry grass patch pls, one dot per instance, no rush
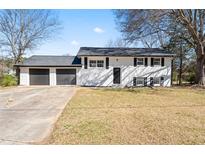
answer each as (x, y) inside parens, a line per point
(132, 116)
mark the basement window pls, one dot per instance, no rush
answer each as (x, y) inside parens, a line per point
(156, 81)
(138, 81)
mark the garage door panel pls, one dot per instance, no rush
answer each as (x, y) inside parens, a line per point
(39, 76)
(66, 76)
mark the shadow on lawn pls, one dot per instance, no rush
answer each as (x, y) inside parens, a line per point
(137, 90)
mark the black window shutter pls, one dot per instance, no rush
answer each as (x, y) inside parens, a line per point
(107, 62)
(162, 61)
(145, 61)
(145, 81)
(135, 61)
(134, 81)
(162, 81)
(85, 62)
(152, 61)
(151, 81)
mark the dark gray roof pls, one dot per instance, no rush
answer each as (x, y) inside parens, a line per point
(98, 51)
(38, 60)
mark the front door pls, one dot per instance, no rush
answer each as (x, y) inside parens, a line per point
(116, 75)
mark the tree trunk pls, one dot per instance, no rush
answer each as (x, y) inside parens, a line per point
(200, 72)
(180, 67)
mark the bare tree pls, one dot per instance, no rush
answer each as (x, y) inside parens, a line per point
(117, 43)
(152, 41)
(193, 21)
(23, 30)
(188, 24)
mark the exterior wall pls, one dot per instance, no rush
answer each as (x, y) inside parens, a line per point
(104, 77)
(52, 74)
(24, 74)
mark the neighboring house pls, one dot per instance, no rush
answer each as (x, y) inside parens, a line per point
(117, 67)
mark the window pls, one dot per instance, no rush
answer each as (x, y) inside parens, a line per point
(156, 81)
(156, 61)
(100, 63)
(92, 63)
(138, 81)
(140, 61)
(96, 63)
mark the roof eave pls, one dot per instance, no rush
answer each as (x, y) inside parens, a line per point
(171, 55)
(46, 65)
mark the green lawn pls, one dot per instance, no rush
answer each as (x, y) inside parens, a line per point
(132, 116)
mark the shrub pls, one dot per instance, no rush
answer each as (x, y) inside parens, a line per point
(8, 80)
(174, 77)
(191, 78)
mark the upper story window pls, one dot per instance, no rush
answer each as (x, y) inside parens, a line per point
(100, 63)
(92, 63)
(140, 61)
(96, 63)
(156, 61)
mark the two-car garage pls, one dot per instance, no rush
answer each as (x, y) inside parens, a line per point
(42, 76)
(49, 70)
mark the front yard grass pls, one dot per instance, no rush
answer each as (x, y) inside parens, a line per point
(132, 116)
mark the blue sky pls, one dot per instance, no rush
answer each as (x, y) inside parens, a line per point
(80, 28)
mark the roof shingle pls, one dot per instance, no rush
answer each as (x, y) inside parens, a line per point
(38, 60)
(98, 51)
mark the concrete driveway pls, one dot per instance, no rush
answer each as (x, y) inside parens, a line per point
(27, 114)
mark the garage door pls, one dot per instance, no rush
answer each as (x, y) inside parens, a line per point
(66, 76)
(39, 76)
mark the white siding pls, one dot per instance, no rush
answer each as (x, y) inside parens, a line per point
(52, 76)
(24, 76)
(104, 77)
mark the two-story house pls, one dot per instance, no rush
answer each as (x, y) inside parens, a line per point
(92, 66)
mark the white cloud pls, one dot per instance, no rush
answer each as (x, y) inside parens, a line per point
(74, 42)
(98, 30)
